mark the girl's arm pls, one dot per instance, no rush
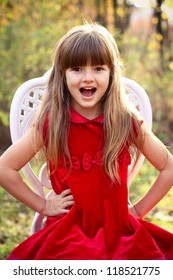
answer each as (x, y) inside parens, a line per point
(157, 154)
(14, 158)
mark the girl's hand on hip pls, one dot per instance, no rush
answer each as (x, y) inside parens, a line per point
(58, 204)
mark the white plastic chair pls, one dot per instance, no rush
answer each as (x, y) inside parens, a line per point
(24, 105)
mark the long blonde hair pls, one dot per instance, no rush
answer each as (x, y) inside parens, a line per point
(90, 42)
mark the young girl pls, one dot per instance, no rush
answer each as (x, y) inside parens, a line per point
(86, 129)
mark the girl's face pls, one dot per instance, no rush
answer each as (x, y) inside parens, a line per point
(87, 85)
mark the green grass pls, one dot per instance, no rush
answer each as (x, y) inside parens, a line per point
(15, 218)
(15, 222)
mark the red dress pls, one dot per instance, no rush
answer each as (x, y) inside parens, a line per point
(98, 226)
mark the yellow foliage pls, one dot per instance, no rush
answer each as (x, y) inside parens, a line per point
(171, 66)
(164, 16)
(121, 12)
(159, 37)
(155, 20)
(154, 45)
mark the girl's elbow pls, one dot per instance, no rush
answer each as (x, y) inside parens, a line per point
(5, 170)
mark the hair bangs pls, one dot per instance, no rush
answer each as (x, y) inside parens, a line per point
(89, 48)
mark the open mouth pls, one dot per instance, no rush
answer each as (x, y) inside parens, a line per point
(87, 91)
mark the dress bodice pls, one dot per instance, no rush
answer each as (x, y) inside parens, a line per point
(95, 195)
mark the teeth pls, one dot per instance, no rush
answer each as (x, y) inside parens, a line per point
(87, 91)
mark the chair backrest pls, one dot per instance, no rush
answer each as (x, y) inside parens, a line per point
(24, 105)
(140, 100)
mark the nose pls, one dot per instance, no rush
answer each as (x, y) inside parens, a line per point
(88, 76)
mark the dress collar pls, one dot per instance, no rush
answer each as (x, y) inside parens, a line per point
(77, 118)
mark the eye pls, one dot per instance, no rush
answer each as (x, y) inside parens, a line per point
(99, 68)
(77, 69)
